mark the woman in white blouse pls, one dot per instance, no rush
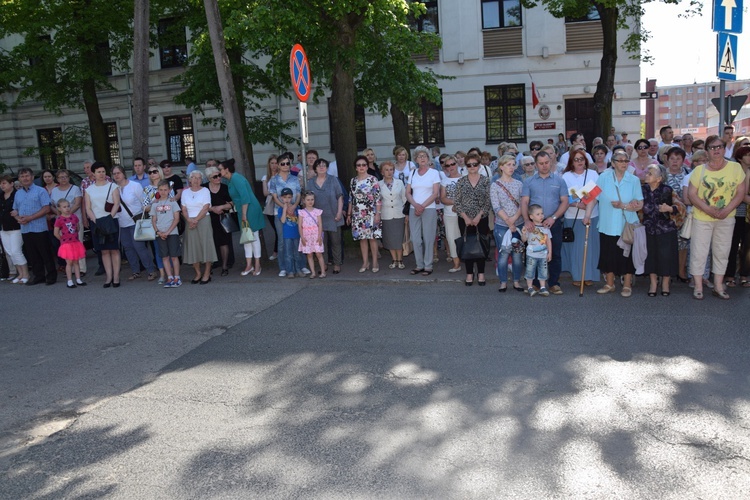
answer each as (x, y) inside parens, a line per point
(393, 198)
(199, 242)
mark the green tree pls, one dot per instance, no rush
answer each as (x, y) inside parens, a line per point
(614, 15)
(252, 83)
(347, 42)
(68, 48)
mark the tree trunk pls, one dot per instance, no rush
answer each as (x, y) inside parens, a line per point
(96, 123)
(400, 122)
(140, 79)
(235, 58)
(605, 87)
(226, 85)
(342, 116)
(342, 100)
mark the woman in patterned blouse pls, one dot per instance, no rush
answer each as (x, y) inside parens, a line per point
(661, 232)
(472, 204)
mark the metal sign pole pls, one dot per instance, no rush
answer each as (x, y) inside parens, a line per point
(302, 133)
(722, 107)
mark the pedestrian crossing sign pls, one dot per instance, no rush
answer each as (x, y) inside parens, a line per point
(726, 57)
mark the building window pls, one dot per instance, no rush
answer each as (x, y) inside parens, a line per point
(701, 114)
(701, 102)
(113, 144)
(172, 43)
(360, 126)
(501, 13)
(677, 115)
(429, 21)
(180, 138)
(592, 15)
(665, 92)
(690, 90)
(51, 151)
(678, 103)
(665, 116)
(679, 91)
(689, 102)
(668, 104)
(689, 114)
(103, 61)
(505, 113)
(713, 88)
(701, 90)
(426, 125)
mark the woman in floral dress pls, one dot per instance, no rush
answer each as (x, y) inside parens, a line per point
(364, 213)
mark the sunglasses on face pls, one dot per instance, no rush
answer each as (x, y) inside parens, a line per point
(535, 149)
(361, 165)
(216, 176)
(641, 148)
(472, 164)
(716, 147)
(284, 163)
(451, 164)
(153, 172)
(528, 164)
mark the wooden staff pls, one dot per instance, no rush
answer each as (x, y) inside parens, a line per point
(585, 251)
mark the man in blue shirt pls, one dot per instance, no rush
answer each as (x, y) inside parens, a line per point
(30, 209)
(550, 192)
(139, 172)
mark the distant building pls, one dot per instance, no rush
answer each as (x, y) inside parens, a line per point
(489, 47)
(687, 108)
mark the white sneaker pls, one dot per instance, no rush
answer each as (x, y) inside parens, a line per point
(306, 271)
(282, 274)
(272, 257)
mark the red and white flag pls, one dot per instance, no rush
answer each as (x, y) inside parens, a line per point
(587, 193)
(535, 96)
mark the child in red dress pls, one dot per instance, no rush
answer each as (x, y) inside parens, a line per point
(71, 249)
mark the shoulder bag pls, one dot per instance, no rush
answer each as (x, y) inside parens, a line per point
(568, 234)
(687, 225)
(628, 230)
(108, 206)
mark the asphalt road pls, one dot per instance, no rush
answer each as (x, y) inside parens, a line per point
(371, 387)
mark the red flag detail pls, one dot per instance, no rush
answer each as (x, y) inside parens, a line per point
(535, 97)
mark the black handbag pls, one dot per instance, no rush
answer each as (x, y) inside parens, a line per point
(107, 226)
(229, 223)
(473, 246)
(569, 236)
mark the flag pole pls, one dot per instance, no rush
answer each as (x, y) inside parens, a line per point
(585, 251)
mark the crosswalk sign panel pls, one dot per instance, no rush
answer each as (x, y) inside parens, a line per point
(726, 56)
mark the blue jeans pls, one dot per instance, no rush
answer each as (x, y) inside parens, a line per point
(504, 253)
(538, 264)
(293, 260)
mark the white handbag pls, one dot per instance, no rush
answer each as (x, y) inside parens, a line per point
(144, 230)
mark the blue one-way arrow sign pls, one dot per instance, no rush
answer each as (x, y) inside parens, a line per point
(727, 16)
(727, 57)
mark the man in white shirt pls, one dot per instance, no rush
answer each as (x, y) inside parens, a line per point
(728, 140)
(576, 138)
(667, 135)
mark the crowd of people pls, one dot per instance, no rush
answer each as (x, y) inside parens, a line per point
(669, 209)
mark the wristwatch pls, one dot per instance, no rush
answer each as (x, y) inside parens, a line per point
(554, 217)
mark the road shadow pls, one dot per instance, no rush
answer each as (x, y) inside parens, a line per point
(416, 391)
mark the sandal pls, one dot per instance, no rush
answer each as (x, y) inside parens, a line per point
(745, 283)
(427, 272)
(392, 265)
(415, 271)
(721, 294)
(151, 276)
(731, 283)
(134, 276)
(697, 295)
(401, 264)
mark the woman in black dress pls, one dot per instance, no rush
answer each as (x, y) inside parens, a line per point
(221, 203)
